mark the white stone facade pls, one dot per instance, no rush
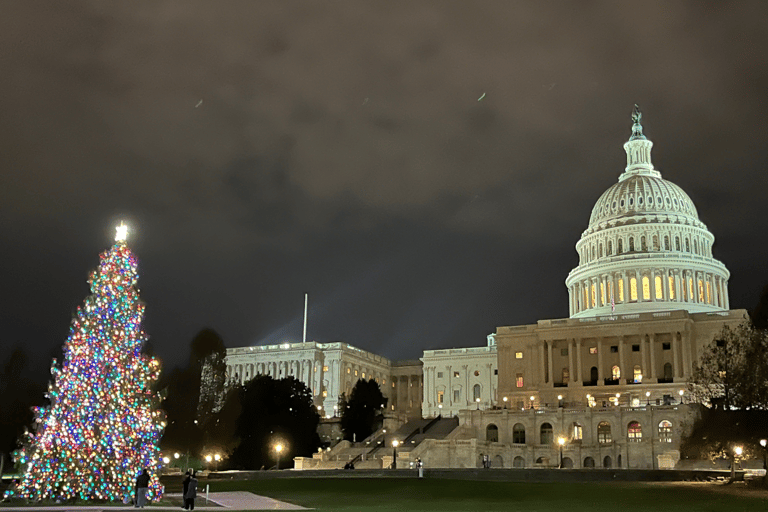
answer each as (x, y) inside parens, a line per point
(330, 369)
(459, 378)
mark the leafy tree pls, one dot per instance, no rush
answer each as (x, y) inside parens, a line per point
(362, 412)
(732, 372)
(271, 412)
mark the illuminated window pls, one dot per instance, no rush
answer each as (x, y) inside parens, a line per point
(672, 287)
(604, 432)
(363, 375)
(476, 392)
(690, 288)
(709, 294)
(615, 372)
(646, 288)
(455, 375)
(633, 289)
(638, 374)
(384, 382)
(577, 432)
(585, 293)
(592, 288)
(665, 431)
(701, 291)
(658, 287)
(477, 373)
(325, 368)
(355, 373)
(440, 396)
(518, 355)
(348, 370)
(634, 432)
(325, 394)
(393, 384)
(621, 290)
(602, 294)
(519, 380)
(593, 350)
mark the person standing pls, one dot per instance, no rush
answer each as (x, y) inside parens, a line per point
(185, 485)
(142, 484)
(191, 493)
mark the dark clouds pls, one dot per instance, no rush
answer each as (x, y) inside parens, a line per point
(340, 149)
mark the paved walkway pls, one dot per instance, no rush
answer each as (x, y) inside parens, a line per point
(239, 500)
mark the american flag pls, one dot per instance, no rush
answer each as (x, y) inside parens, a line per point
(613, 304)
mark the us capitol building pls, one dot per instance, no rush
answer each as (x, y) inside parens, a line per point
(605, 387)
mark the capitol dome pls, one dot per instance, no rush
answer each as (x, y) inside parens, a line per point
(645, 248)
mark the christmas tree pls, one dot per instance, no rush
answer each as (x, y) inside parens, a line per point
(102, 425)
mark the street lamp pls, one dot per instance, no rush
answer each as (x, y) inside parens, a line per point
(216, 458)
(208, 459)
(440, 410)
(648, 398)
(505, 402)
(394, 453)
(477, 401)
(278, 449)
(561, 442)
(681, 393)
(763, 443)
(532, 399)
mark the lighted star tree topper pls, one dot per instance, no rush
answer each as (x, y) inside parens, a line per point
(102, 425)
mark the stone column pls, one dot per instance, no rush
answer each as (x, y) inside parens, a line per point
(621, 359)
(675, 356)
(625, 277)
(542, 368)
(550, 363)
(571, 374)
(685, 345)
(449, 387)
(578, 362)
(652, 285)
(652, 353)
(600, 374)
(466, 388)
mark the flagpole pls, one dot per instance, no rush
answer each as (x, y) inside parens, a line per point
(306, 302)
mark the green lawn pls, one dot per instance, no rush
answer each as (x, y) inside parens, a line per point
(393, 494)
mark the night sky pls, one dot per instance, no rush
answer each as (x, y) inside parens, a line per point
(261, 150)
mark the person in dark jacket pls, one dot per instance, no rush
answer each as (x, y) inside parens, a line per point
(142, 484)
(191, 493)
(185, 485)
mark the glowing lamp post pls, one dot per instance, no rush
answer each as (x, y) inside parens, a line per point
(505, 402)
(216, 459)
(763, 442)
(682, 393)
(278, 449)
(561, 442)
(648, 398)
(394, 453)
(477, 401)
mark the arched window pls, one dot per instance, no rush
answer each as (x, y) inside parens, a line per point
(518, 434)
(621, 246)
(518, 462)
(492, 433)
(696, 246)
(643, 245)
(589, 462)
(655, 242)
(607, 462)
(604, 432)
(615, 372)
(631, 244)
(634, 432)
(646, 288)
(546, 435)
(476, 392)
(666, 242)
(610, 247)
(600, 251)
(637, 374)
(593, 252)
(665, 431)
(687, 245)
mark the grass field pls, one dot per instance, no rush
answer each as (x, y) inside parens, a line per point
(392, 494)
